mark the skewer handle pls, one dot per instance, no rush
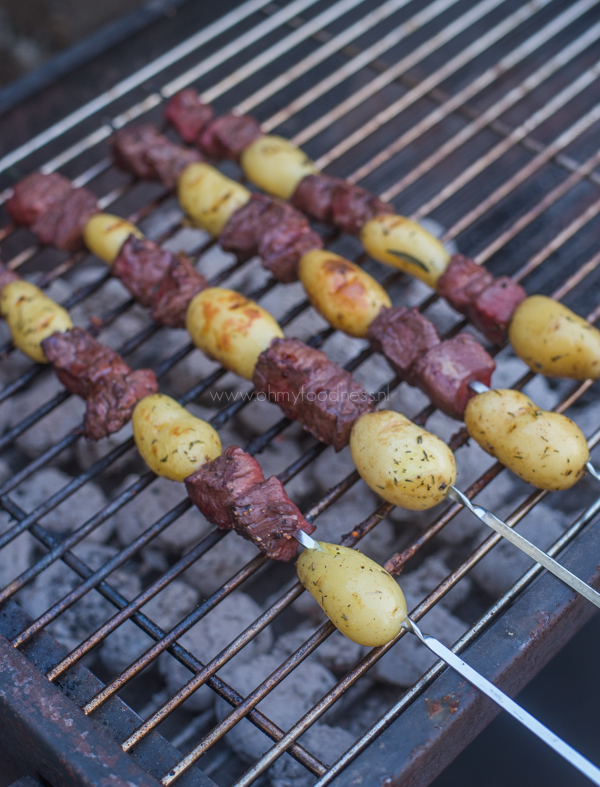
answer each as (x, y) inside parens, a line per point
(506, 703)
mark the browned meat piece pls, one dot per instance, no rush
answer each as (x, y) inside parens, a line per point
(462, 281)
(7, 276)
(214, 486)
(274, 230)
(141, 265)
(228, 135)
(188, 114)
(177, 288)
(352, 206)
(311, 389)
(63, 222)
(80, 360)
(111, 401)
(445, 371)
(266, 516)
(33, 195)
(144, 152)
(402, 335)
(492, 310)
(314, 196)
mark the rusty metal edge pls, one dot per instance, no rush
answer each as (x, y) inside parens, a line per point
(32, 725)
(441, 722)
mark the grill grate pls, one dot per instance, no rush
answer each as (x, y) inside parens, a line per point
(478, 115)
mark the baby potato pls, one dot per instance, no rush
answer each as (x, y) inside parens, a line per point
(230, 328)
(276, 165)
(404, 244)
(32, 317)
(400, 461)
(555, 341)
(359, 597)
(104, 234)
(172, 441)
(547, 450)
(209, 197)
(342, 292)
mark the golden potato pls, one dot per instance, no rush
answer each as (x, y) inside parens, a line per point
(172, 441)
(276, 165)
(555, 341)
(342, 292)
(32, 317)
(545, 449)
(209, 197)
(104, 234)
(230, 328)
(400, 461)
(359, 597)
(404, 244)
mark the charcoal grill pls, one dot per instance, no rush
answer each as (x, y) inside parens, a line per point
(480, 115)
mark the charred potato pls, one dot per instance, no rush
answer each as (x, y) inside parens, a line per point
(209, 197)
(230, 328)
(172, 441)
(276, 165)
(104, 234)
(346, 296)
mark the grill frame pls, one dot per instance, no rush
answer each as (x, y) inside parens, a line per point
(222, 417)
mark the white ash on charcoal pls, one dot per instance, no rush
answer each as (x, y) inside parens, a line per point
(338, 653)
(208, 637)
(162, 221)
(285, 704)
(432, 571)
(220, 563)
(18, 554)
(123, 646)
(406, 399)
(81, 506)
(88, 613)
(148, 506)
(325, 742)
(284, 297)
(375, 373)
(409, 659)
(88, 452)
(214, 260)
(505, 563)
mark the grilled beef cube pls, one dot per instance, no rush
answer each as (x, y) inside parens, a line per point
(145, 152)
(241, 234)
(311, 389)
(141, 265)
(177, 288)
(352, 206)
(265, 515)
(7, 276)
(111, 401)
(188, 114)
(214, 487)
(445, 371)
(402, 335)
(493, 308)
(34, 195)
(63, 222)
(314, 196)
(462, 281)
(80, 360)
(228, 135)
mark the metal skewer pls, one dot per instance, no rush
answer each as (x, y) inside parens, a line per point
(506, 703)
(306, 541)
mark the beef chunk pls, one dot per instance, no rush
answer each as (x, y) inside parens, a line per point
(314, 196)
(144, 152)
(265, 515)
(177, 288)
(462, 281)
(445, 371)
(274, 230)
(7, 276)
(311, 389)
(111, 401)
(63, 222)
(492, 309)
(80, 360)
(214, 486)
(228, 135)
(402, 335)
(141, 265)
(352, 206)
(33, 195)
(188, 114)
